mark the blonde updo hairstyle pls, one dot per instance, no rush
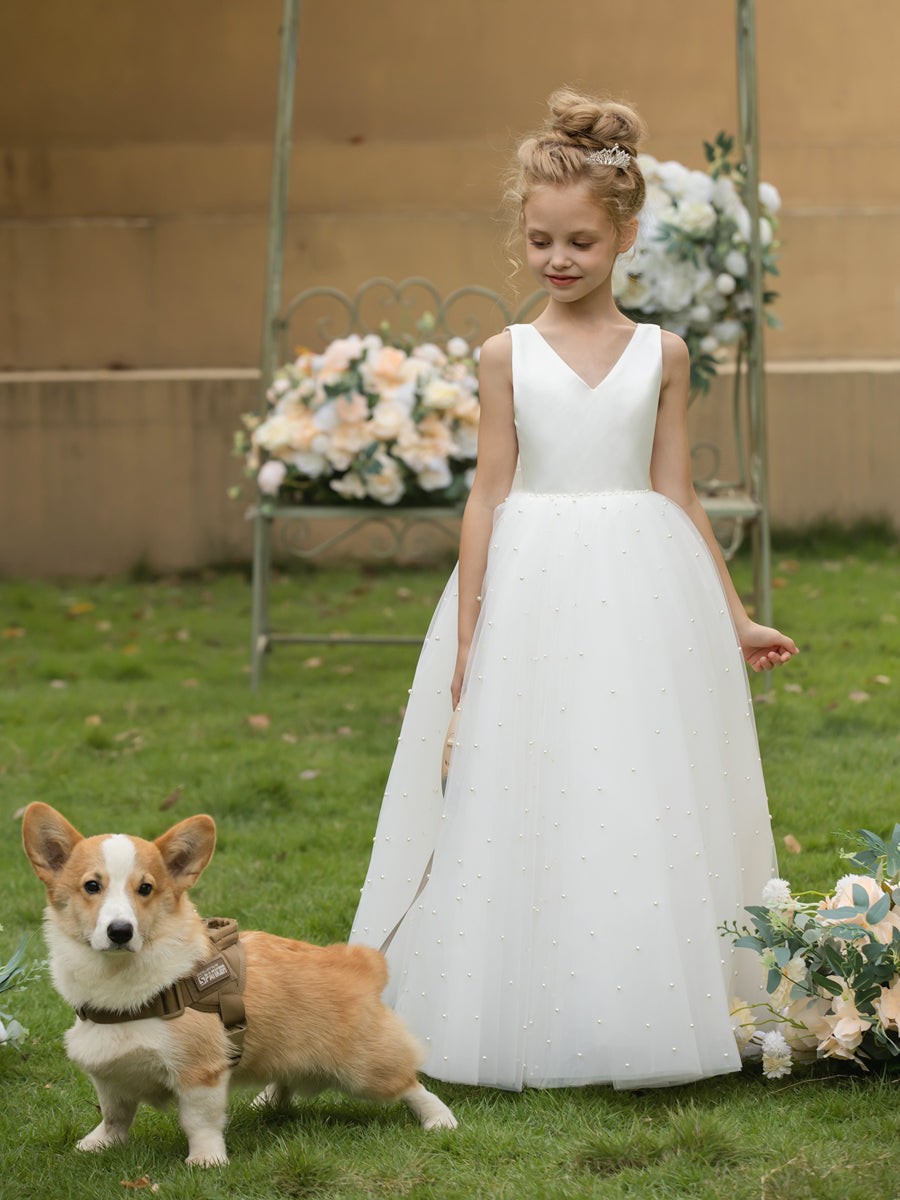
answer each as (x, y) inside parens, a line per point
(558, 154)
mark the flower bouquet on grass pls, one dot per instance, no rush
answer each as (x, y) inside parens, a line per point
(689, 271)
(833, 966)
(370, 421)
(13, 973)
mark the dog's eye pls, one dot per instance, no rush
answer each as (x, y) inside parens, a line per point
(145, 889)
(92, 887)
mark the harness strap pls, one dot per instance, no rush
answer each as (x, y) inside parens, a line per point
(215, 986)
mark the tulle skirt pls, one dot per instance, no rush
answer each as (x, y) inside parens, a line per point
(604, 814)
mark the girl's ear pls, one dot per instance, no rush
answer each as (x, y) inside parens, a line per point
(628, 235)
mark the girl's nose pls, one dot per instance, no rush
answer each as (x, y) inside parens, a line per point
(559, 256)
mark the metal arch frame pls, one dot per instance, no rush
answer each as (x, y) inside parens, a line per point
(275, 324)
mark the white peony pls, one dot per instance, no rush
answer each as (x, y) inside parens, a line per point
(725, 283)
(726, 333)
(435, 476)
(457, 347)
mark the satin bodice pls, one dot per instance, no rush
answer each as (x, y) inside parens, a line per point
(577, 439)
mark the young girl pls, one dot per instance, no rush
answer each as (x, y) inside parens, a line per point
(605, 809)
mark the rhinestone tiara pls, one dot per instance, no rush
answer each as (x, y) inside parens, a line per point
(610, 157)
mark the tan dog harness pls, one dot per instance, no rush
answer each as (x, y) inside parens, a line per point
(215, 986)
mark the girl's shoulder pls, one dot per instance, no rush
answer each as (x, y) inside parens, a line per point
(496, 351)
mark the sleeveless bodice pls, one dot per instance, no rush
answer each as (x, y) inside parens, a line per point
(577, 439)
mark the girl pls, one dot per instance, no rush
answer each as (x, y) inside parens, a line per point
(553, 920)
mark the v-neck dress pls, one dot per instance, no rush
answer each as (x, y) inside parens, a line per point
(605, 810)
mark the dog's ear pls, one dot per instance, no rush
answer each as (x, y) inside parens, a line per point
(48, 839)
(186, 849)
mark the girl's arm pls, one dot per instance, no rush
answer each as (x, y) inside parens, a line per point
(670, 471)
(497, 455)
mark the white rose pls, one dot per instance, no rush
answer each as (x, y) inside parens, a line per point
(769, 198)
(700, 314)
(271, 476)
(697, 219)
(736, 263)
(386, 485)
(435, 476)
(310, 463)
(674, 177)
(327, 417)
(727, 332)
(430, 353)
(765, 231)
(457, 347)
(725, 283)
(440, 395)
(350, 486)
(709, 345)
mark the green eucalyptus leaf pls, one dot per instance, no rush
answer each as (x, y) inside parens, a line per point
(827, 985)
(879, 910)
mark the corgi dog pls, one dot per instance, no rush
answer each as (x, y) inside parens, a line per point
(121, 930)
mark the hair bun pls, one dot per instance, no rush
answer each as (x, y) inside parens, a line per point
(589, 121)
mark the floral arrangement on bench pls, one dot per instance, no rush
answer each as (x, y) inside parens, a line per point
(382, 420)
(370, 420)
(832, 964)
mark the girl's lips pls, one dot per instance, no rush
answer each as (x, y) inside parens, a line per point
(562, 280)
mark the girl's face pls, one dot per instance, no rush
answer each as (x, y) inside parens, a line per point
(571, 241)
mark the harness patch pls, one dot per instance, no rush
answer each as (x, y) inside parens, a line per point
(211, 973)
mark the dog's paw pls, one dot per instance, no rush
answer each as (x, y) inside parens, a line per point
(440, 1120)
(208, 1158)
(100, 1138)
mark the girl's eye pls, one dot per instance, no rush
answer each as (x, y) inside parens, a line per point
(582, 245)
(145, 889)
(540, 245)
(92, 887)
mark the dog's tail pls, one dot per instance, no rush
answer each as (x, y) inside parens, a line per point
(369, 964)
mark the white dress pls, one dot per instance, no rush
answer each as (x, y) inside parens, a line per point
(605, 809)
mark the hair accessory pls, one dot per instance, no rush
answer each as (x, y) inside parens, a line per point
(611, 157)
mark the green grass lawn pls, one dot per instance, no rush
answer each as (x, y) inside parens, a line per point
(127, 706)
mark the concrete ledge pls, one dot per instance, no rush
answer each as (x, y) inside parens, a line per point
(101, 470)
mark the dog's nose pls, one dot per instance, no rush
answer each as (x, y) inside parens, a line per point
(120, 932)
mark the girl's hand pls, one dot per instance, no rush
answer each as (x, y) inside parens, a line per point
(765, 648)
(458, 673)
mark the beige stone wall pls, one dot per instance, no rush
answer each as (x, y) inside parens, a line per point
(136, 150)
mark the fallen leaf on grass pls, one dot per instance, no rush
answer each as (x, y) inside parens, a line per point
(779, 582)
(183, 635)
(143, 1182)
(103, 626)
(344, 731)
(884, 680)
(79, 609)
(13, 631)
(789, 566)
(131, 648)
(290, 738)
(859, 697)
(404, 593)
(58, 683)
(345, 669)
(889, 618)
(190, 683)
(793, 687)
(307, 775)
(259, 721)
(791, 844)
(93, 719)
(172, 799)
(313, 662)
